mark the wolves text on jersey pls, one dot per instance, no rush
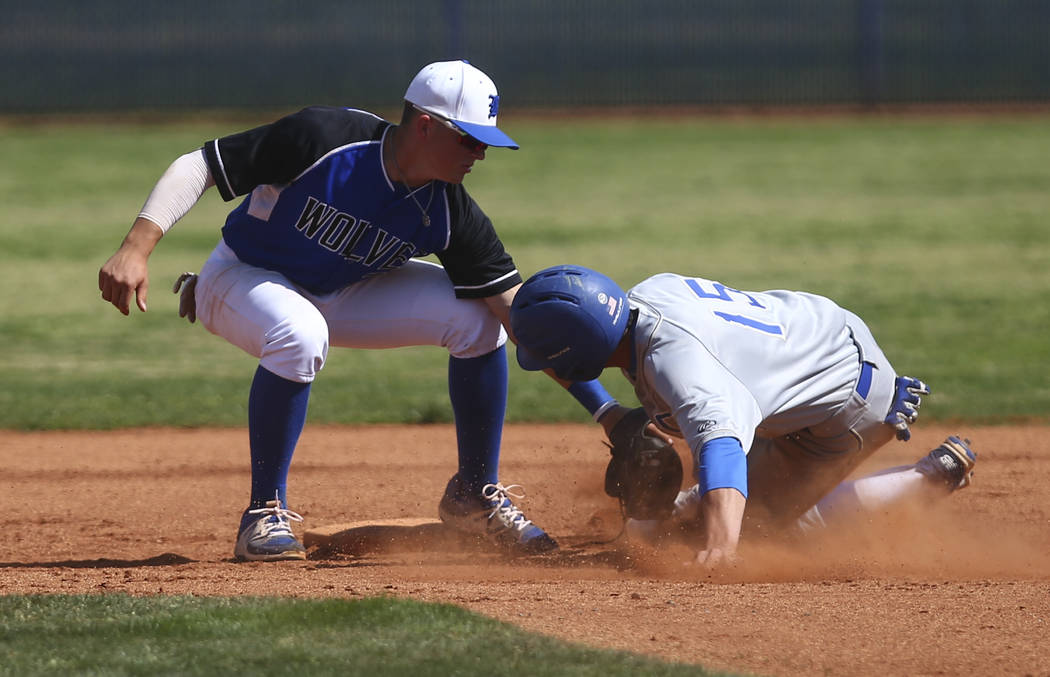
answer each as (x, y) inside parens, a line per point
(341, 233)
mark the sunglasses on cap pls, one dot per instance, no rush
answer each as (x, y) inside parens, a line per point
(465, 140)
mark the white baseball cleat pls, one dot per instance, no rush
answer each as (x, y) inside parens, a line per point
(266, 535)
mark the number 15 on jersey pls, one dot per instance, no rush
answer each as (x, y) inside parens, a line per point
(738, 298)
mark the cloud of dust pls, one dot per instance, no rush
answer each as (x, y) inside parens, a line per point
(932, 542)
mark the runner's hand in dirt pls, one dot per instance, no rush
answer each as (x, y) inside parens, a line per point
(716, 559)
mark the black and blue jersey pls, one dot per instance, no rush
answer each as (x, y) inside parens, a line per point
(321, 210)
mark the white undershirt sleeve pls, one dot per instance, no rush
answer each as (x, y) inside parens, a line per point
(178, 190)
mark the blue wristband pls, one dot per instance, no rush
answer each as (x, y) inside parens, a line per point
(593, 396)
(722, 465)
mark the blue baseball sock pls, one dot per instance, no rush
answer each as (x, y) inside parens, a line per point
(276, 416)
(477, 387)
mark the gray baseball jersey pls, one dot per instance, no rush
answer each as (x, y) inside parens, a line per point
(711, 361)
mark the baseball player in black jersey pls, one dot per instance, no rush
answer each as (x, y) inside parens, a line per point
(338, 204)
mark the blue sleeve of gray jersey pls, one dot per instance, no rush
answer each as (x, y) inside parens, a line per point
(722, 464)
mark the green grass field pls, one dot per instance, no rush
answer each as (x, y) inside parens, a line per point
(379, 637)
(931, 229)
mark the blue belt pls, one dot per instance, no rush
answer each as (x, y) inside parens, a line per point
(864, 380)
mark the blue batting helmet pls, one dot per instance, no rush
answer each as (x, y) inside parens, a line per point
(569, 319)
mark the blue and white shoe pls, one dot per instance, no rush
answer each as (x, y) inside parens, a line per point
(493, 515)
(266, 535)
(950, 464)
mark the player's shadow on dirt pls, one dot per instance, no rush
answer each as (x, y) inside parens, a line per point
(162, 560)
(439, 542)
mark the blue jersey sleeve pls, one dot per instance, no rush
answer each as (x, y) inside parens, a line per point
(722, 464)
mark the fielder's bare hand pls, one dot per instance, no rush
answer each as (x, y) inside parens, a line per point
(125, 276)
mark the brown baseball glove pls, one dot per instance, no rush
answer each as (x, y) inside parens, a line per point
(644, 472)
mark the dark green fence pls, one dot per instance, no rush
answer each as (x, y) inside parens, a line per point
(191, 54)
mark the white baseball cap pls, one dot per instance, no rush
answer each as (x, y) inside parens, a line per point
(463, 95)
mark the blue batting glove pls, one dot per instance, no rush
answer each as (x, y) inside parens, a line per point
(905, 407)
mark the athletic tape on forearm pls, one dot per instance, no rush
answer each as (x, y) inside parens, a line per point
(593, 396)
(178, 190)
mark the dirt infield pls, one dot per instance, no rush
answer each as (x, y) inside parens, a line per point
(963, 588)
